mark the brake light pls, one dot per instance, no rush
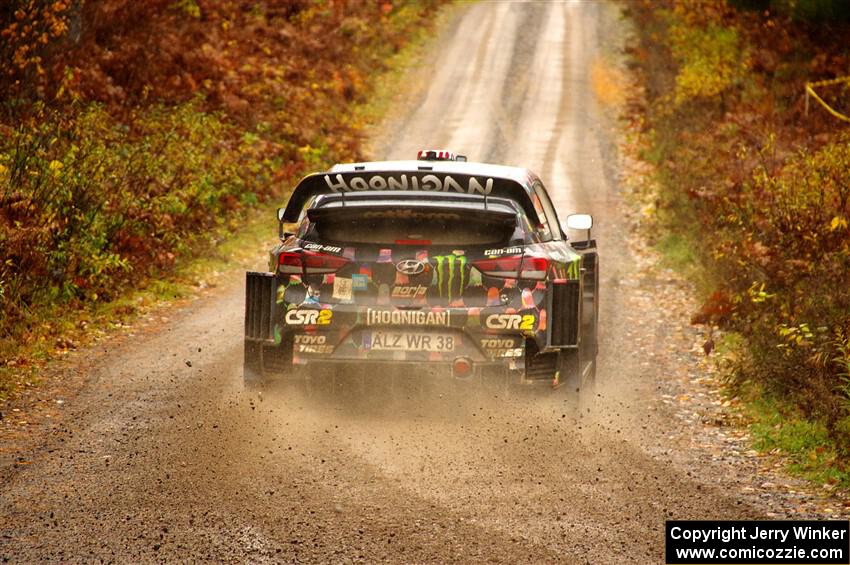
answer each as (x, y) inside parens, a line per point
(423, 242)
(514, 267)
(309, 262)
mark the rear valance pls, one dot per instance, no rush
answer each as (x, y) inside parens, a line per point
(401, 181)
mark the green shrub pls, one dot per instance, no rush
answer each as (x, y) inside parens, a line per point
(90, 204)
(710, 60)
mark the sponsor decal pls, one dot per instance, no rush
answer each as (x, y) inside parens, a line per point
(407, 318)
(306, 343)
(298, 317)
(574, 269)
(385, 256)
(451, 270)
(359, 282)
(417, 291)
(407, 214)
(430, 183)
(496, 343)
(501, 347)
(411, 267)
(319, 247)
(509, 322)
(307, 339)
(323, 349)
(505, 251)
(342, 288)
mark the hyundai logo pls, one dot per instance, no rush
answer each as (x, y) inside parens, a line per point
(410, 267)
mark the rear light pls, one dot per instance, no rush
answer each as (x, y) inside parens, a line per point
(309, 262)
(514, 267)
(424, 242)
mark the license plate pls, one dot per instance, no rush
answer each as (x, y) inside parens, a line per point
(410, 341)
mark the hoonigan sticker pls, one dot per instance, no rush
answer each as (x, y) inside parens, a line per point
(407, 318)
(429, 183)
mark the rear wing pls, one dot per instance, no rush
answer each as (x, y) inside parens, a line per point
(400, 181)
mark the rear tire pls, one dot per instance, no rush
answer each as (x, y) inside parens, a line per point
(252, 367)
(265, 365)
(578, 374)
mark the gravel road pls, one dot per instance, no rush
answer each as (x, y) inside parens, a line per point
(160, 455)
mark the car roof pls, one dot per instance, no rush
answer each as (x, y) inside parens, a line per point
(518, 174)
(483, 178)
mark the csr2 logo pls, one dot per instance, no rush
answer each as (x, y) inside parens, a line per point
(509, 322)
(298, 317)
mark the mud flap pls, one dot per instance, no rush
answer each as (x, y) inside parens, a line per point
(566, 310)
(259, 321)
(590, 304)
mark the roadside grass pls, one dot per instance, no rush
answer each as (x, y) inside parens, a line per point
(241, 242)
(677, 252)
(777, 427)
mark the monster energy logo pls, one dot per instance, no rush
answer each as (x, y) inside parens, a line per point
(450, 268)
(574, 268)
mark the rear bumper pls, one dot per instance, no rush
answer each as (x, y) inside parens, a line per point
(295, 352)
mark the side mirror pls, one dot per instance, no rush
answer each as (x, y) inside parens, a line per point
(579, 222)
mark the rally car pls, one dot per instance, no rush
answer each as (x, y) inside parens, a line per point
(461, 267)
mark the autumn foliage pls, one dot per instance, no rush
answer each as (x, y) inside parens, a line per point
(133, 131)
(758, 184)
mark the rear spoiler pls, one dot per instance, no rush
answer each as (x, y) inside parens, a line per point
(502, 216)
(400, 181)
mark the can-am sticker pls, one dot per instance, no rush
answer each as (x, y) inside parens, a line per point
(506, 251)
(428, 183)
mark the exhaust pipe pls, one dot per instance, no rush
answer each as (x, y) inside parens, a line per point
(461, 367)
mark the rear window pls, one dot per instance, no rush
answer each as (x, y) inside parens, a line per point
(410, 225)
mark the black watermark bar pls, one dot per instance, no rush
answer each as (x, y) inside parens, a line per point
(762, 542)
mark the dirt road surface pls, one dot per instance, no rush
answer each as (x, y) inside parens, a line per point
(162, 456)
